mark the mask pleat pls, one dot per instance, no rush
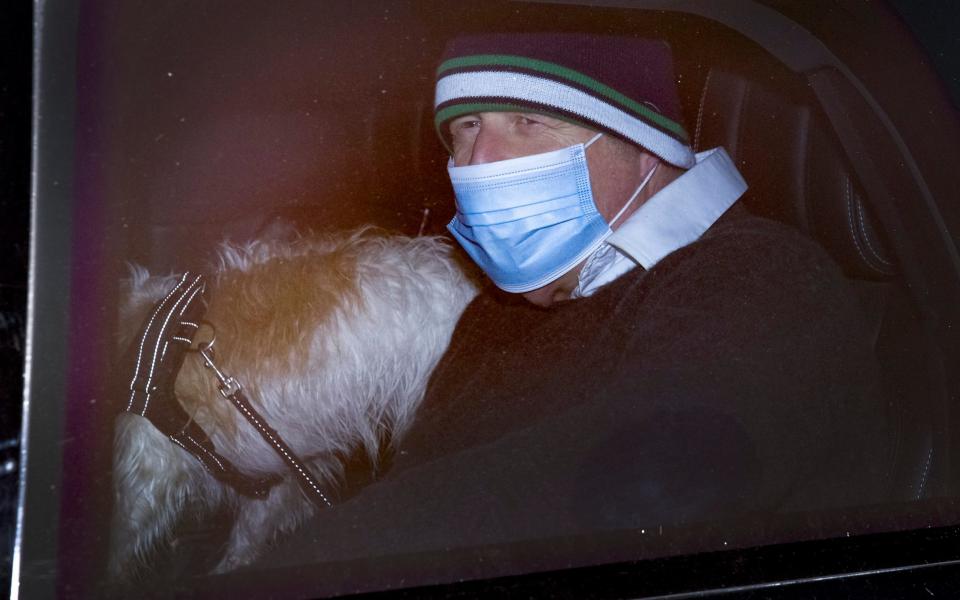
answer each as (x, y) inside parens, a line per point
(527, 221)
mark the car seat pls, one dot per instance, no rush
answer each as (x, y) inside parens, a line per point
(770, 123)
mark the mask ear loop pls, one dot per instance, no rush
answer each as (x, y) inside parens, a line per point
(592, 140)
(643, 184)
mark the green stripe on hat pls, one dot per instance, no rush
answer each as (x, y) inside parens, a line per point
(560, 72)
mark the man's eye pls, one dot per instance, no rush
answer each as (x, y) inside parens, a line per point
(464, 125)
(528, 121)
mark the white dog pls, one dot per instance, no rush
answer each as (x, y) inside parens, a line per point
(333, 340)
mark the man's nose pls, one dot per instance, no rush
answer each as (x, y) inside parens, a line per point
(489, 146)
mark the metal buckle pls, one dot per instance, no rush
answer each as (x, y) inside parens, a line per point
(229, 386)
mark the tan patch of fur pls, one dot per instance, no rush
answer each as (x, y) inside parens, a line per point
(275, 307)
(196, 388)
(265, 318)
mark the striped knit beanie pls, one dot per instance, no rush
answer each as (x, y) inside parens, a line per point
(620, 85)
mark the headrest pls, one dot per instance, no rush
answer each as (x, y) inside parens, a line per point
(793, 163)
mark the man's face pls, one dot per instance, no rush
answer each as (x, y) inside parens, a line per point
(616, 168)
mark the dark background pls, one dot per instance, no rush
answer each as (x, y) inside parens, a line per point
(15, 52)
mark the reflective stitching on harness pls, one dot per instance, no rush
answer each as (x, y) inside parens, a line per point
(187, 450)
(163, 355)
(174, 305)
(179, 443)
(143, 339)
(190, 299)
(290, 461)
(205, 451)
(166, 321)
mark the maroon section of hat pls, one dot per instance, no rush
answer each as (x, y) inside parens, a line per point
(641, 69)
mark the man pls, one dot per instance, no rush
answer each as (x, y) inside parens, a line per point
(673, 360)
(545, 105)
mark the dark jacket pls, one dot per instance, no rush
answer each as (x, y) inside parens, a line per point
(736, 377)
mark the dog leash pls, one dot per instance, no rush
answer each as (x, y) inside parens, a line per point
(160, 351)
(231, 389)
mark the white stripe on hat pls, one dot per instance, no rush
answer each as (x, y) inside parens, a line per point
(530, 88)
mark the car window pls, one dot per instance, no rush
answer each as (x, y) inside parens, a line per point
(235, 147)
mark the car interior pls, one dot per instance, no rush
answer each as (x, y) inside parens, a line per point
(202, 123)
(768, 121)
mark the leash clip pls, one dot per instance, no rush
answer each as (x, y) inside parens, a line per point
(229, 386)
(231, 390)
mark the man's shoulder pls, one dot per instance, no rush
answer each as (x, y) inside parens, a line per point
(744, 254)
(752, 297)
(754, 240)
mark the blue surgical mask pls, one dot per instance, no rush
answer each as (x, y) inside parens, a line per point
(526, 221)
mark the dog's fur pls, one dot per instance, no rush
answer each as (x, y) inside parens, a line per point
(333, 340)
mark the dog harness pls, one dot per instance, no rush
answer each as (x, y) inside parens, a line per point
(159, 353)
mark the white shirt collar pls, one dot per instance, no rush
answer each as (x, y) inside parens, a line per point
(672, 218)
